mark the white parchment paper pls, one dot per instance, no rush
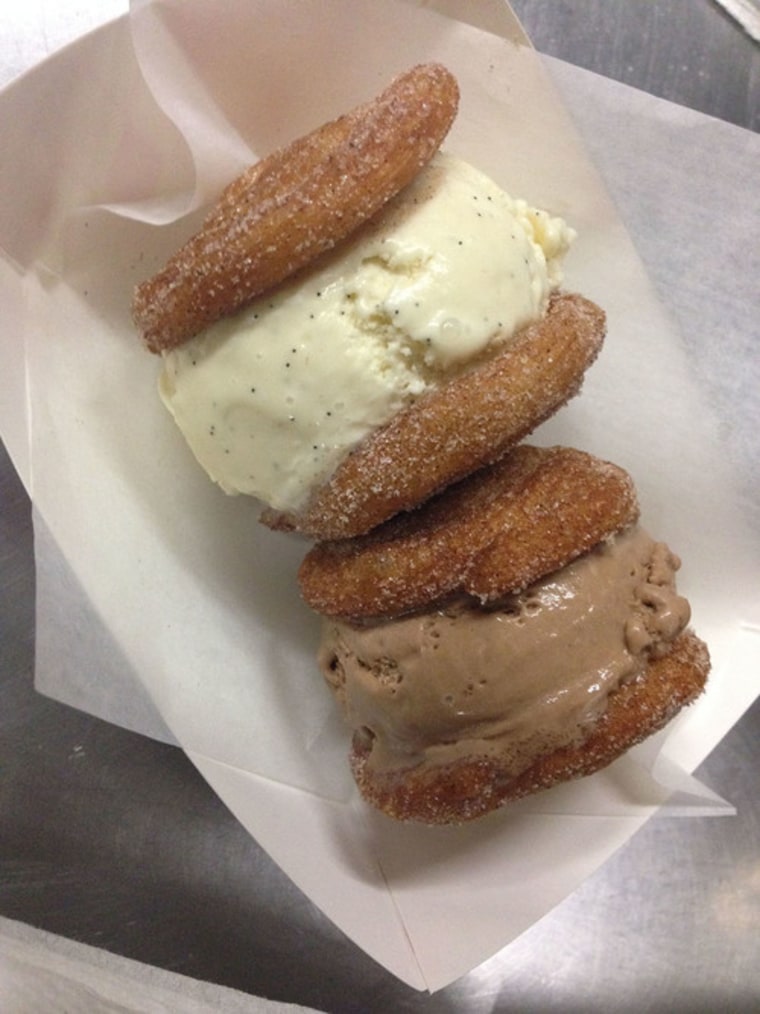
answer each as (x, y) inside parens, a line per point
(188, 624)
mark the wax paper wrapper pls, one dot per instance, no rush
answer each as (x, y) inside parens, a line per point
(164, 605)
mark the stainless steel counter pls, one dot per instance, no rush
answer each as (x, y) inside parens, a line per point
(112, 839)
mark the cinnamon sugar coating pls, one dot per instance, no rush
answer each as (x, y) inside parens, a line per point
(468, 422)
(493, 534)
(475, 786)
(290, 207)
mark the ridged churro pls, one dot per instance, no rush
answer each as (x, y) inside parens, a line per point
(461, 426)
(295, 204)
(530, 513)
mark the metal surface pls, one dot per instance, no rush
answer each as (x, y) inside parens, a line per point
(690, 53)
(113, 839)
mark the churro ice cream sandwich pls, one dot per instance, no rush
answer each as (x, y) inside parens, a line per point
(365, 319)
(519, 630)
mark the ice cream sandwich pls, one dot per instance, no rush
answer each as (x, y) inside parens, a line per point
(519, 630)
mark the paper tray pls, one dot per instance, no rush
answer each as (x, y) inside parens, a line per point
(180, 590)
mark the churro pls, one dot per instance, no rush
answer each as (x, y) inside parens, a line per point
(529, 514)
(461, 426)
(285, 210)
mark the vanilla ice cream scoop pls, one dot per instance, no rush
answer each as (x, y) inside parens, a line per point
(272, 399)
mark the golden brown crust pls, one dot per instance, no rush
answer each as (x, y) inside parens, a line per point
(467, 423)
(473, 787)
(494, 533)
(297, 203)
